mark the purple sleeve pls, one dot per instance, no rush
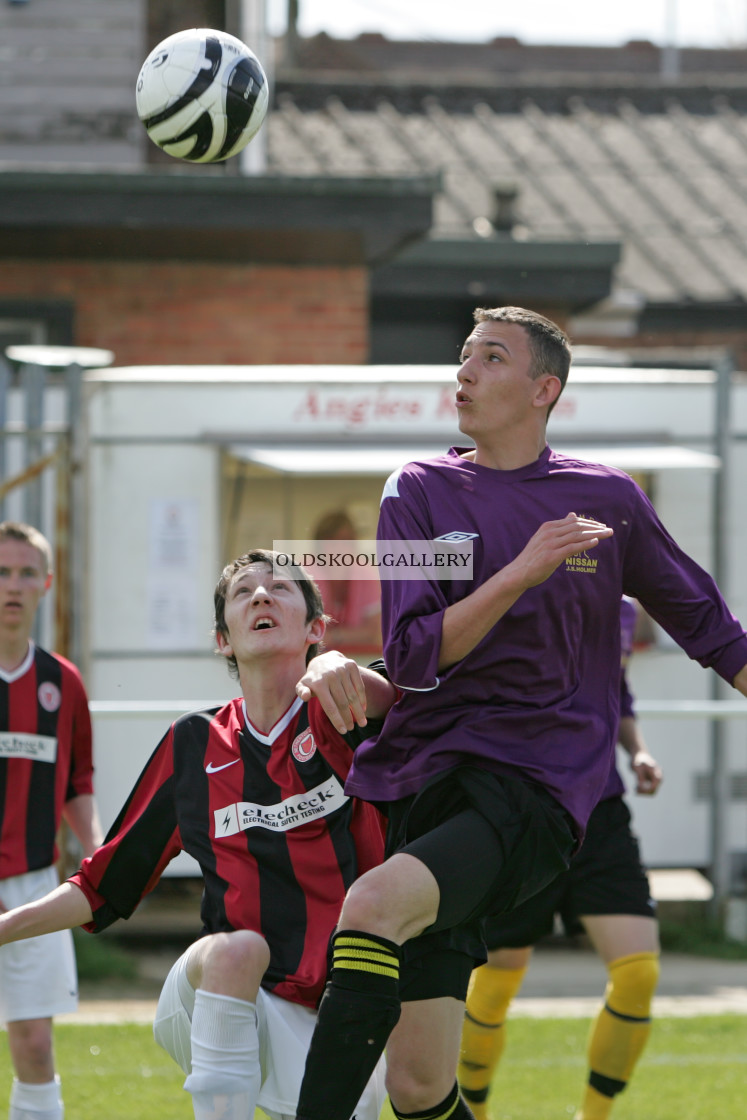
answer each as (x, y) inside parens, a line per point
(411, 609)
(681, 596)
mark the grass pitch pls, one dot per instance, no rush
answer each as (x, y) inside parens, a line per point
(693, 1069)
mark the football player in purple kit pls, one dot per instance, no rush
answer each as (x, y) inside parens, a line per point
(252, 790)
(606, 894)
(501, 743)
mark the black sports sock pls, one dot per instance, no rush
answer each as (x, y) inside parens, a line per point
(358, 1012)
(452, 1107)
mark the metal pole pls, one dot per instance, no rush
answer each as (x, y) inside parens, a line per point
(4, 388)
(32, 380)
(78, 526)
(670, 56)
(719, 838)
(291, 35)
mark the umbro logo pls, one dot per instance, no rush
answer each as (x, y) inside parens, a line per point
(210, 769)
(457, 535)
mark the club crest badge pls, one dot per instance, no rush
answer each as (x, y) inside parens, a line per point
(303, 746)
(49, 696)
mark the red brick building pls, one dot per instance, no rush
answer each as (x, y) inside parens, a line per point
(394, 186)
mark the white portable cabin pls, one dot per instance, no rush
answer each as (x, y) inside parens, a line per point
(188, 466)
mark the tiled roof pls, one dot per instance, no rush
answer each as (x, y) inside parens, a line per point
(661, 167)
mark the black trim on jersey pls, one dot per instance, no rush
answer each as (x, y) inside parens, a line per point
(355, 737)
(40, 829)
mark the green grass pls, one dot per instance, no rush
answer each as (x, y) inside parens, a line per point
(692, 1069)
(115, 1071)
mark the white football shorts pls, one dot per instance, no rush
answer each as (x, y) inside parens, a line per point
(38, 977)
(284, 1030)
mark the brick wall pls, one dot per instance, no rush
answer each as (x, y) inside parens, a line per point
(197, 313)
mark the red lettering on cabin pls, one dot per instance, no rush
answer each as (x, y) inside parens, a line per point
(355, 411)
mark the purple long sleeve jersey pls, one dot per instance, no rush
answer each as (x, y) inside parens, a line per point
(540, 694)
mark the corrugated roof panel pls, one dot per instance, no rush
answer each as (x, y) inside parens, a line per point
(695, 282)
(637, 272)
(669, 182)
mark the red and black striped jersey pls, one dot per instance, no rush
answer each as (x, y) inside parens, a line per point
(266, 817)
(46, 757)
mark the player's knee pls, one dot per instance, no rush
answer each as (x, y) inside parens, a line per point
(397, 900)
(31, 1044)
(365, 905)
(415, 1090)
(633, 981)
(234, 963)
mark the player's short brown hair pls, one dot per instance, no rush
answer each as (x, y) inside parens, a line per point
(549, 345)
(311, 593)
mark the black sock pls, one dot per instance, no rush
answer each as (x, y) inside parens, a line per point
(358, 1012)
(452, 1107)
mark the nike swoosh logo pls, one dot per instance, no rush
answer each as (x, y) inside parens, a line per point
(210, 769)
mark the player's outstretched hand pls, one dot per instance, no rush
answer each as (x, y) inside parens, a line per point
(647, 771)
(336, 682)
(553, 543)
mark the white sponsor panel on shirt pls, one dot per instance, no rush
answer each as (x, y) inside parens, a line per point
(324, 799)
(19, 744)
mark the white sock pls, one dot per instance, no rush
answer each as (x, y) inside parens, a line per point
(36, 1102)
(226, 1076)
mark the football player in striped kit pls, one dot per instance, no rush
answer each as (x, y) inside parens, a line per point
(46, 776)
(253, 790)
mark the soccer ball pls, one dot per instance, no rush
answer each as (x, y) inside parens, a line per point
(202, 95)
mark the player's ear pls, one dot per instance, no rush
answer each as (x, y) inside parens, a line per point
(317, 628)
(48, 582)
(547, 390)
(223, 644)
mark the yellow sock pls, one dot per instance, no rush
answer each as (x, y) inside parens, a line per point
(387, 1112)
(619, 1032)
(483, 1035)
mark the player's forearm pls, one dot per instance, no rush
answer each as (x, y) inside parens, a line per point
(380, 693)
(629, 736)
(63, 908)
(466, 622)
(82, 816)
(740, 681)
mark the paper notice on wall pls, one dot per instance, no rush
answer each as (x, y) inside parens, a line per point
(172, 574)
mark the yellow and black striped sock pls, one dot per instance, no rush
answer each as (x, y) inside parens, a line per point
(491, 991)
(365, 962)
(620, 1031)
(452, 1107)
(358, 1012)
